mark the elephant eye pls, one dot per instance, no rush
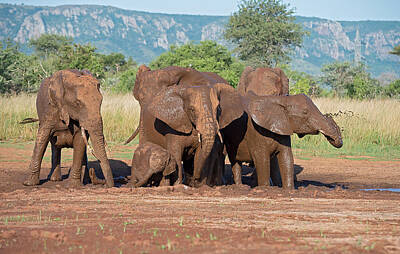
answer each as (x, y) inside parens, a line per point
(305, 111)
(77, 103)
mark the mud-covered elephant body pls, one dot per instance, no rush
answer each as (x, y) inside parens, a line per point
(181, 111)
(263, 81)
(68, 106)
(150, 159)
(263, 134)
(185, 120)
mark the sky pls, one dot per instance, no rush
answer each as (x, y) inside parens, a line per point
(349, 10)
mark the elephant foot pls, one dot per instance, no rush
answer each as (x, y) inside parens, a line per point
(74, 183)
(165, 182)
(196, 183)
(32, 180)
(94, 178)
(177, 182)
(55, 178)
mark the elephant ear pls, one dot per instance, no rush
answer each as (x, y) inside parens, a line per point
(268, 112)
(284, 82)
(167, 106)
(56, 96)
(230, 104)
(243, 80)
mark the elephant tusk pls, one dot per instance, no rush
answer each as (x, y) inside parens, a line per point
(199, 137)
(87, 143)
(220, 137)
(219, 133)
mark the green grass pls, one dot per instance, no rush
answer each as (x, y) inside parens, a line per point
(369, 127)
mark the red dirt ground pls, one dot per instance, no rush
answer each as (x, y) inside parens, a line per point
(327, 214)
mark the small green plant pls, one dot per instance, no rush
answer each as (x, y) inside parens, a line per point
(101, 227)
(167, 246)
(262, 233)
(369, 247)
(155, 231)
(181, 221)
(79, 231)
(213, 237)
(126, 223)
(197, 235)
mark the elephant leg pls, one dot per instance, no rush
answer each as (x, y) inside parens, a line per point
(55, 173)
(144, 180)
(286, 165)
(275, 172)
(180, 170)
(85, 178)
(176, 153)
(42, 140)
(78, 154)
(237, 172)
(262, 164)
(165, 181)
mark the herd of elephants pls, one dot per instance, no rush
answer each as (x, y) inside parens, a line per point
(189, 122)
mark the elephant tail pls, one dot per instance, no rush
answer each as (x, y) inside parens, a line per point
(132, 136)
(29, 120)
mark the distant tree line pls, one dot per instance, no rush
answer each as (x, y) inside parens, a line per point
(262, 32)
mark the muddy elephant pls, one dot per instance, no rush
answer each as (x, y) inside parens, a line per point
(149, 82)
(263, 81)
(186, 121)
(148, 160)
(68, 105)
(208, 112)
(263, 133)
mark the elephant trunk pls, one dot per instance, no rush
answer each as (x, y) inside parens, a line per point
(207, 138)
(332, 132)
(97, 137)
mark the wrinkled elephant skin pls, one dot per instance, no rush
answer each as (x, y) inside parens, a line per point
(150, 159)
(181, 111)
(68, 105)
(263, 134)
(263, 81)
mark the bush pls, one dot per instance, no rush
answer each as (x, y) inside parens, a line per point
(207, 56)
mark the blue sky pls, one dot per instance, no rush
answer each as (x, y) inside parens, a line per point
(330, 9)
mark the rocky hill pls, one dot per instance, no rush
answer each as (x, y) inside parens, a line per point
(145, 35)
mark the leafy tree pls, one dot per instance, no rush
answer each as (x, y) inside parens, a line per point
(264, 32)
(301, 82)
(396, 51)
(346, 79)
(208, 56)
(50, 44)
(113, 61)
(393, 89)
(18, 71)
(81, 57)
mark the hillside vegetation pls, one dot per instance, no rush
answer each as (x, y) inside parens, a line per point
(144, 36)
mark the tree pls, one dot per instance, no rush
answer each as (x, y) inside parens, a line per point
(81, 57)
(264, 32)
(18, 72)
(206, 56)
(393, 89)
(49, 44)
(301, 82)
(347, 79)
(396, 51)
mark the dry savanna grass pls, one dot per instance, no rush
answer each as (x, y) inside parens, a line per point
(368, 127)
(120, 117)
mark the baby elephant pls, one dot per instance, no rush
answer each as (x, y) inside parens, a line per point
(148, 160)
